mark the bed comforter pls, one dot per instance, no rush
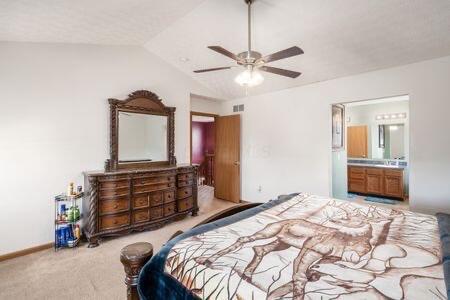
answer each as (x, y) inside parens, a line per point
(303, 247)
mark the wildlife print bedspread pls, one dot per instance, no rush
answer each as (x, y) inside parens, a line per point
(314, 248)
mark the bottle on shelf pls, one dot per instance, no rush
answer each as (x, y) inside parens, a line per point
(70, 189)
(77, 232)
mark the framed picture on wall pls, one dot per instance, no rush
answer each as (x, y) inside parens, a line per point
(338, 129)
(381, 136)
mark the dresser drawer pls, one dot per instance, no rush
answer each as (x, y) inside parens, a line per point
(156, 198)
(188, 182)
(169, 196)
(113, 206)
(141, 201)
(185, 204)
(169, 209)
(114, 221)
(153, 187)
(145, 200)
(155, 174)
(117, 192)
(185, 176)
(184, 192)
(141, 215)
(114, 184)
(153, 180)
(156, 212)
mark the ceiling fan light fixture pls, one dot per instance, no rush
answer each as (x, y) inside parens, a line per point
(249, 78)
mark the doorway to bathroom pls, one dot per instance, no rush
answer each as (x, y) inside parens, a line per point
(370, 157)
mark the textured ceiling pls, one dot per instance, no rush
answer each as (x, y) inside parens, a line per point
(114, 22)
(339, 37)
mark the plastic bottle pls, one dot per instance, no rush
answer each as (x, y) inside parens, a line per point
(77, 232)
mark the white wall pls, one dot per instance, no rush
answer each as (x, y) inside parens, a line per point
(206, 105)
(54, 123)
(287, 136)
(339, 174)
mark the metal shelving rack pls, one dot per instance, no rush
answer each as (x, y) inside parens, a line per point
(66, 239)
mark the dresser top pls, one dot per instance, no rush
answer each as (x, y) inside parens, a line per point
(136, 171)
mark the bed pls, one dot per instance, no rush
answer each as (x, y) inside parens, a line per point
(304, 246)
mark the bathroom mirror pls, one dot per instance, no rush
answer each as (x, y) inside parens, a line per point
(376, 141)
(391, 142)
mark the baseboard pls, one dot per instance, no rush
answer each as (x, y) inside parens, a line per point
(25, 251)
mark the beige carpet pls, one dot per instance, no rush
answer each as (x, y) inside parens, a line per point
(83, 273)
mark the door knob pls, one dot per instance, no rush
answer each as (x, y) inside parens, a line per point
(237, 163)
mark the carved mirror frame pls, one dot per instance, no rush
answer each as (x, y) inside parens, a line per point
(142, 102)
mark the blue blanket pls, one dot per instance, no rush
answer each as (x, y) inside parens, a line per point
(154, 283)
(444, 232)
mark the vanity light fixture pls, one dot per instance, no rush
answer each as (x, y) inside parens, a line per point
(390, 116)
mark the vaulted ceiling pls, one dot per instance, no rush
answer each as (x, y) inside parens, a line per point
(339, 37)
(111, 22)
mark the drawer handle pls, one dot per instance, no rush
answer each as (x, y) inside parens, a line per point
(116, 206)
(115, 222)
(186, 192)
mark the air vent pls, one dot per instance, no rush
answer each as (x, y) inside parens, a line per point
(238, 108)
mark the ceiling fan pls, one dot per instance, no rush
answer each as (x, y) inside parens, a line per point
(253, 61)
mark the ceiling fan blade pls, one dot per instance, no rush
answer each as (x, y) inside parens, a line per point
(281, 72)
(225, 52)
(212, 69)
(289, 52)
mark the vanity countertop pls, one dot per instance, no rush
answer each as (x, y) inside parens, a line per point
(398, 167)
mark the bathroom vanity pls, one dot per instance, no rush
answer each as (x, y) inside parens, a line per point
(379, 180)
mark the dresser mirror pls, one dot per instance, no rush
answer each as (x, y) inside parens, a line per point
(142, 137)
(142, 132)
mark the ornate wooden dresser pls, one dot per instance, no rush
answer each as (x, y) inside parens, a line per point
(121, 202)
(142, 187)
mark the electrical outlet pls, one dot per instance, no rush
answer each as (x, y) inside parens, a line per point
(260, 189)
